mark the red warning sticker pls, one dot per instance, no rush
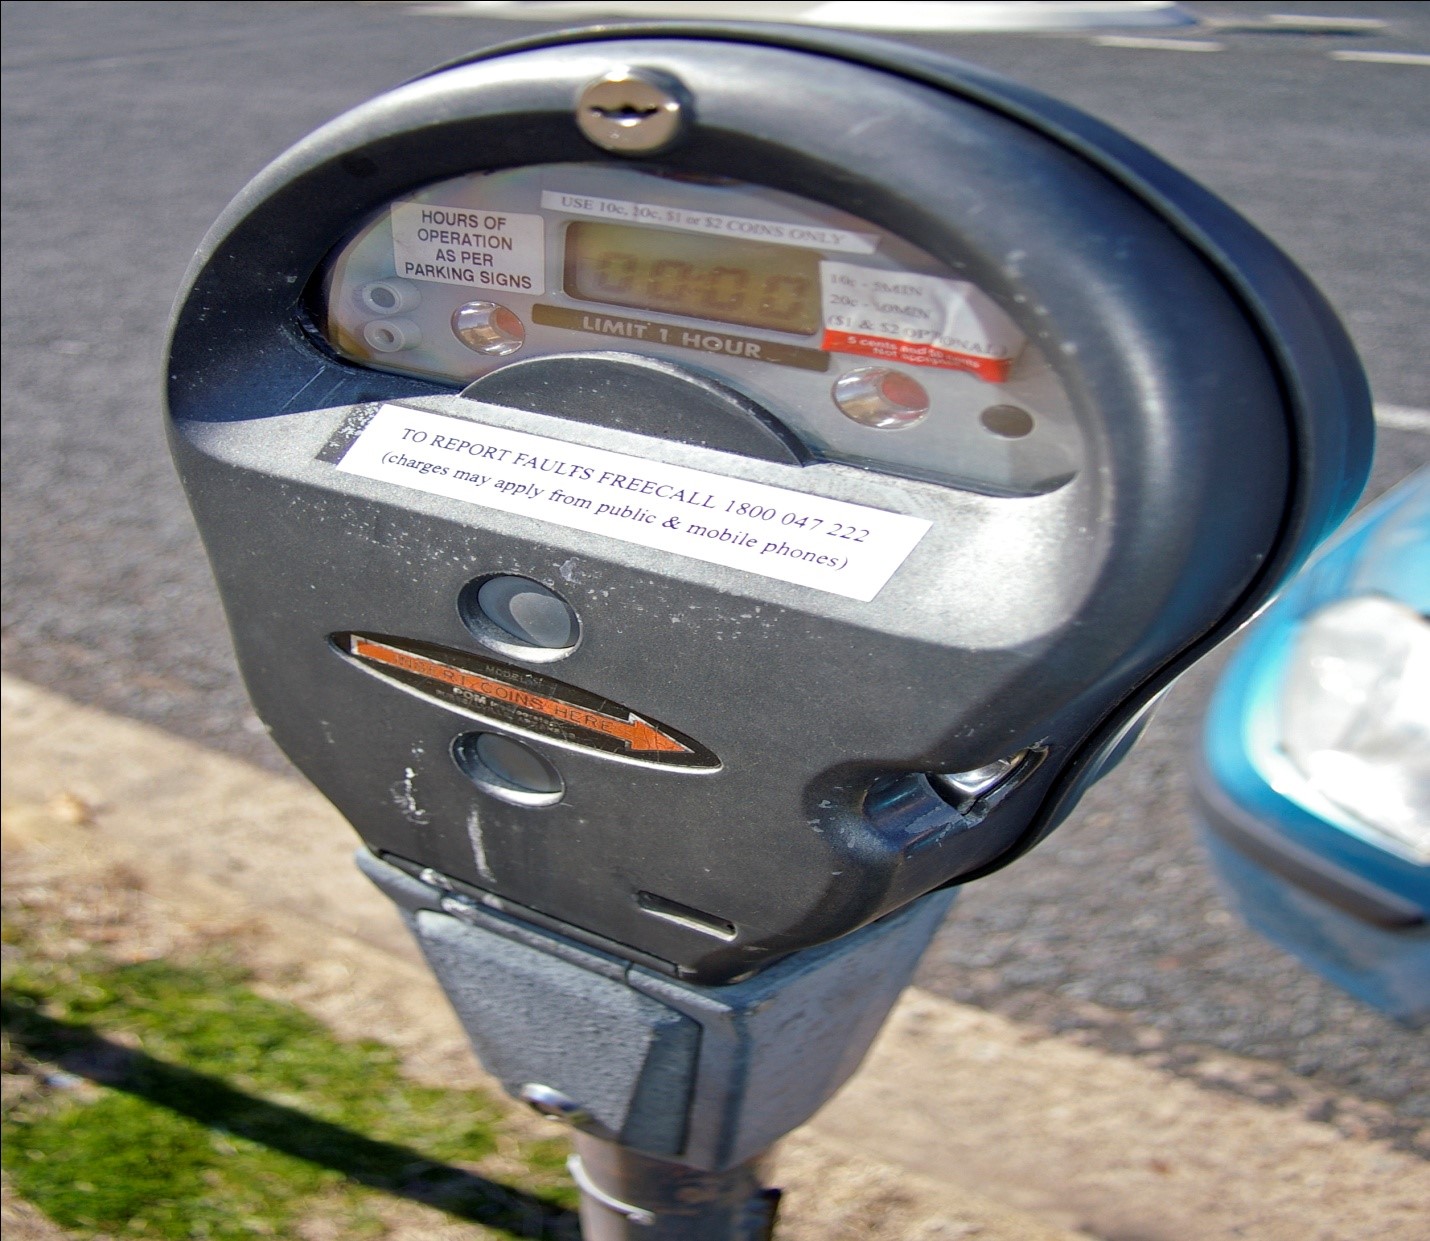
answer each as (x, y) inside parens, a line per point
(917, 320)
(993, 370)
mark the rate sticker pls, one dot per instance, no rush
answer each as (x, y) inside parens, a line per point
(916, 320)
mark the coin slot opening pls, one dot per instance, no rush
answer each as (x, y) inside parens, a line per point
(684, 915)
(508, 770)
(519, 617)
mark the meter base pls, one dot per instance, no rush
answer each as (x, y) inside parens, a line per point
(701, 1076)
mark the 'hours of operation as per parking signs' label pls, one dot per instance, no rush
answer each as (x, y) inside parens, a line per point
(479, 249)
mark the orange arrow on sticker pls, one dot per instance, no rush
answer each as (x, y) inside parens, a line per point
(636, 734)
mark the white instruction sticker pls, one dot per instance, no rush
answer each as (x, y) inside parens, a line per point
(831, 545)
(456, 245)
(815, 236)
(917, 320)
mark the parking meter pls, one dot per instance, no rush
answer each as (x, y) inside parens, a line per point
(687, 493)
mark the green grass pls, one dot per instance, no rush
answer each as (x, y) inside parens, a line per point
(214, 1112)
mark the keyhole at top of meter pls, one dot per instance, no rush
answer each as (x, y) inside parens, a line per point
(630, 111)
(627, 113)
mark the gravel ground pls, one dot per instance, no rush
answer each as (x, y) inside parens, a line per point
(959, 1124)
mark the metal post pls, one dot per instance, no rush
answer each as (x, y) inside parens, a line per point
(627, 1196)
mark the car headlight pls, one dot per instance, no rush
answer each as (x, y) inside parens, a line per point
(1355, 716)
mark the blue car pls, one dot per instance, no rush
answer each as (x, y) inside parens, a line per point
(1314, 790)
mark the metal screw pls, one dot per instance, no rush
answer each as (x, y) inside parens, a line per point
(435, 879)
(631, 111)
(552, 1103)
(460, 905)
(1008, 421)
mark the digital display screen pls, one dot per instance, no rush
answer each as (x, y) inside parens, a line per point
(751, 283)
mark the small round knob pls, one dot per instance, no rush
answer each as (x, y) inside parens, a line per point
(877, 396)
(550, 1102)
(392, 335)
(389, 297)
(489, 328)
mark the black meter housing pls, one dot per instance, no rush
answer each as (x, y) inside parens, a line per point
(1105, 415)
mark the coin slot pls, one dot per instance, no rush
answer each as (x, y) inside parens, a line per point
(518, 616)
(684, 915)
(508, 770)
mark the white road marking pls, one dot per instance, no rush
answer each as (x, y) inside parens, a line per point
(971, 15)
(1384, 58)
(1152, 44)
(1403, 418)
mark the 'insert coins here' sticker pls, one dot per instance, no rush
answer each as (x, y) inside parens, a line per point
(523, 700)
(830, 545)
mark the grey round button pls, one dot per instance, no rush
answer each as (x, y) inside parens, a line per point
(389, 297)
(527, 611)
(392, 335)
(508, 770)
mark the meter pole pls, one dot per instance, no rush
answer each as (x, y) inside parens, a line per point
(627, 1196)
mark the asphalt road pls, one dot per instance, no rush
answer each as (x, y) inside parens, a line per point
(129, 126)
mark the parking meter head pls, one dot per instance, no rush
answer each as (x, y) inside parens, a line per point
(707, 545)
